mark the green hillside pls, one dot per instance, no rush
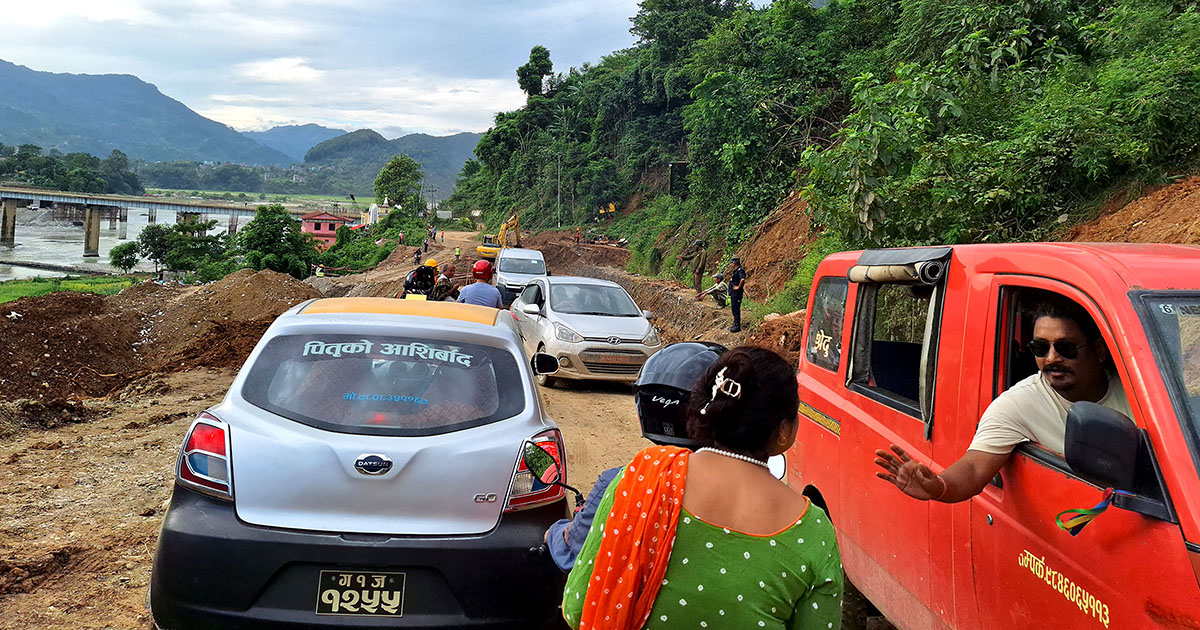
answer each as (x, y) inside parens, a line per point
(902, 122)
(80, 113)
(293, 140)
(365, 152)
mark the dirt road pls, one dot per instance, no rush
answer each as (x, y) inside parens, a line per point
(83, 485)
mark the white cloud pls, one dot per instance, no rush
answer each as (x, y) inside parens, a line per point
(281, 70)
(433, 66)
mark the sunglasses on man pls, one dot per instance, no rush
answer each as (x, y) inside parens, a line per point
(1065, 349)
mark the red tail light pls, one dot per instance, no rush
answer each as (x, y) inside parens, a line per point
(527, 491)
(204, 459)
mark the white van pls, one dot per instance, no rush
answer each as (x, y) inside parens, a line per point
(515, 267)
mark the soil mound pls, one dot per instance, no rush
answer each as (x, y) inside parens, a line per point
(563, 256)
(1170, 214)
(64, 345)
(783, 334)
(23, 576)
(217, 325)
(773, 254)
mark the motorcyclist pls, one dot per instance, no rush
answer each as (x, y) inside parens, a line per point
(661, 398)
(420, 281)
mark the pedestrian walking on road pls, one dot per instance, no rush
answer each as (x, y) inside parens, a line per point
(417, 256)
(697, 255)
(737, 283)
(426, 244)
(457, 252)
(671, 522)
(443, 239)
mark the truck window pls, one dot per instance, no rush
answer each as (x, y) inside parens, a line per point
(824, 347)
(895, 342)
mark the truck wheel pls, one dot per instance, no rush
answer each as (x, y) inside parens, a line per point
(543, 379)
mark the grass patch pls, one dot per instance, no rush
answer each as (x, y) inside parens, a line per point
(32, 287)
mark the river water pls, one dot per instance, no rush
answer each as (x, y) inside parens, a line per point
(40, 238)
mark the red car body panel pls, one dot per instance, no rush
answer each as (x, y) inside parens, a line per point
(999, 560)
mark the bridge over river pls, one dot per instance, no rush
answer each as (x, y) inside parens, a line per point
(91, 209)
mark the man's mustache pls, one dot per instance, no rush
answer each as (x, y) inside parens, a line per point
(1058, 369)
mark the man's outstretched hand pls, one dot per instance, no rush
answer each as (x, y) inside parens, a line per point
(912, 478)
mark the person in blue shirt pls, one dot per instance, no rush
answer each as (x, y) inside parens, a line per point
(480, 292)
(661, 398)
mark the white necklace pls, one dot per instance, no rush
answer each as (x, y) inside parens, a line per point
(745, 458)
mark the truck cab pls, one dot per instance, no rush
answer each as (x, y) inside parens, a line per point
(910, 346)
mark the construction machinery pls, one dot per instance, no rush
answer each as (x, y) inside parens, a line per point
(493, 243)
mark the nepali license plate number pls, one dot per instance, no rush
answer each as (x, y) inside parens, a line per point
(367, 593)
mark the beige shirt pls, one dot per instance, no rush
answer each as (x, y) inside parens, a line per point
(1031, 411)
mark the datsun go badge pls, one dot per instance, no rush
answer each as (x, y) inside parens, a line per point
(373, 464)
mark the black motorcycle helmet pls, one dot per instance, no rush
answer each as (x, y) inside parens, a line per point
(661, 391)
(420, 280)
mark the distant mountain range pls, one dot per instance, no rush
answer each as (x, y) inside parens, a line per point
(294, 140)
(98, 113)
(440, 157)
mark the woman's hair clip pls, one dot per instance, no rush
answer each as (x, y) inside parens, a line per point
(722, 385)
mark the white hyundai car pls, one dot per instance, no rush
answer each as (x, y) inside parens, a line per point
(367, 469)
(593, 327)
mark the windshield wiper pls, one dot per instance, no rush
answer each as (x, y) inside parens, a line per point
(592, 313)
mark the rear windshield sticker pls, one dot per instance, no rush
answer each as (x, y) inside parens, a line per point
(416, 400)
(414, 349)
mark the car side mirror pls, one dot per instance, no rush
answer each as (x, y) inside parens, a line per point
(541, 463)
(543, 363)
(549, 273)
(647, 314)
(1102, 445)
(531, 309)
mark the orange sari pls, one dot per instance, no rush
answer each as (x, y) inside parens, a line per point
(638, 535)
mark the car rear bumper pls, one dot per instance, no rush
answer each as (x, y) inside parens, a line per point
(212, 570)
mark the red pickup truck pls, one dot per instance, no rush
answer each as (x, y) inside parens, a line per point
(909, 346)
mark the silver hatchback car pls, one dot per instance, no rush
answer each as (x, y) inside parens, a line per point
(592, 326)
(366, 469)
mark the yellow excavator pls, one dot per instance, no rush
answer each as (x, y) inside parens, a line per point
(493, 243)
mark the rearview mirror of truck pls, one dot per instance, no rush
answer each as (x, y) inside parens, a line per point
(1102, 445)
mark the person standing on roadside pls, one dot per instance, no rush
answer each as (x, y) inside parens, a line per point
(401, 237)
(699, 258)
(457, 253)
(737, 282)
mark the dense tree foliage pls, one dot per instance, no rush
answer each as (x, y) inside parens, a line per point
(273, 240)
(399, 183)
(74, 172)
(902, 121)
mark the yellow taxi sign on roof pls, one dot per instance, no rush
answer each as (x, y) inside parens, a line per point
(394, 306)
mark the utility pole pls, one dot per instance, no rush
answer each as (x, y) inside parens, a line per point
(559, 190)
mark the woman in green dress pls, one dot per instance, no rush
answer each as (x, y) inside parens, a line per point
(711, 539)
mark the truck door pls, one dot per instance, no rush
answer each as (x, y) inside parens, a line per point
(1029, 574)
(885, 540)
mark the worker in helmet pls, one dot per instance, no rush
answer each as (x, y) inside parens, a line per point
(481, 292)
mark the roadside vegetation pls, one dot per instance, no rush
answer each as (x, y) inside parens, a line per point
(902, 122)
(102, 285)
(74, 172)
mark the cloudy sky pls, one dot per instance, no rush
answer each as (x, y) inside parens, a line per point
(396, 66)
